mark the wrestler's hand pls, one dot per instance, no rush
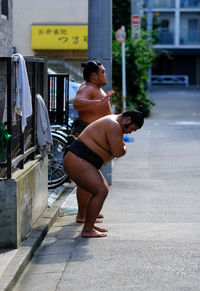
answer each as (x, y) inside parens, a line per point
(109, 93)
(107, 97)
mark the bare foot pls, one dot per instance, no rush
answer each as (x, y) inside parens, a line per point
(83, 220)
(100, 229)
(100, 216)
(92, 233)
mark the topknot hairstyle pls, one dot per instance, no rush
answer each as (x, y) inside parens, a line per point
(90, 67)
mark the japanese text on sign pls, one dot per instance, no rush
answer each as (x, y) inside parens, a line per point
(59, 37)
(135, 27)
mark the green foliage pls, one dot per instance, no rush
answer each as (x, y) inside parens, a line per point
(121, 14)
(139, 57)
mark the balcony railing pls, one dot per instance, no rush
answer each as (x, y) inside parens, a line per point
(190, 39)
(161, 4)
(190, 3)
(165, 38)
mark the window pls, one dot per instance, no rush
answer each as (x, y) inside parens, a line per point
(165, 27)
(193, 35)
(190, 3)
(190, 28)
(4, 7)
(161, 3)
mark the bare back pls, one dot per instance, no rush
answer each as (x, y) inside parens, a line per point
(92, 103)
(105, 138)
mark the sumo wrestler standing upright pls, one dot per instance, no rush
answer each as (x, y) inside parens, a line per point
(92, 103)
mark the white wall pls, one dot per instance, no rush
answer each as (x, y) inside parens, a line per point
(28, 12)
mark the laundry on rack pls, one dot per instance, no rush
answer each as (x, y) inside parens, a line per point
(23, 98)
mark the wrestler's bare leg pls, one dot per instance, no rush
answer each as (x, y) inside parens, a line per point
(90, 179)
(94, 206)
(83, 198)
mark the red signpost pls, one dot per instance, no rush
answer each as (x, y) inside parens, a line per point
(135, 23)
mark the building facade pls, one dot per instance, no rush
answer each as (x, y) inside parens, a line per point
(6, 21)
(56, 29)
(178, 26)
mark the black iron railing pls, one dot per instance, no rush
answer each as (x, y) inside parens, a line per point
(22, 146)
(58, 98)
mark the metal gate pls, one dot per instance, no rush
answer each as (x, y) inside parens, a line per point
(58, 98)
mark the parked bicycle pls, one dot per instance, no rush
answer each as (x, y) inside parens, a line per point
(61, 92)
(61, 138)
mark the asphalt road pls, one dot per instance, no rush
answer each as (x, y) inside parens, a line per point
(152, 213)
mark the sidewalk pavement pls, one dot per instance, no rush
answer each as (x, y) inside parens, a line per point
(14, 261)
(152, 213)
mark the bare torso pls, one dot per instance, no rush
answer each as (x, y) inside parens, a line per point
(105, 138)
(92, 103)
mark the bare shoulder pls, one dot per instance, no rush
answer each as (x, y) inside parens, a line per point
(85, 91)
(111, 123)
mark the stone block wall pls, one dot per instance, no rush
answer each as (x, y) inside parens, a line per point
(23, 199)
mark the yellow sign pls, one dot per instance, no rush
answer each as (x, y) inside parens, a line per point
(51, 37)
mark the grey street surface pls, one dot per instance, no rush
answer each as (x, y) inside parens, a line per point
(152, 213)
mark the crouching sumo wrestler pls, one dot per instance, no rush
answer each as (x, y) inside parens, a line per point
(97, 144)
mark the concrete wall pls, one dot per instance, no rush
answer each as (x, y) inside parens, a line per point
(22, 201)
(6, 35)
(28, 12)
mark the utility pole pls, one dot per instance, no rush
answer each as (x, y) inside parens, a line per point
(135, 18)
(149, 28)
(123, 72)
(100, 47)
(121, 38)
(100, 35)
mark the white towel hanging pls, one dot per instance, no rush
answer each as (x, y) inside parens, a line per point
(23, 99)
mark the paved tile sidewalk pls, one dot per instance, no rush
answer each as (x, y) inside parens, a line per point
(13, 261)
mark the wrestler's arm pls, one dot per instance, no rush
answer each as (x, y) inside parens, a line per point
(84, 100)
(116, 140)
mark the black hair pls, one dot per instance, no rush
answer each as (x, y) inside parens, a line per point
(136, 117)
(90, 67)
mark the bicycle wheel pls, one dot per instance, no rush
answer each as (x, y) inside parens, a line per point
(56, 172)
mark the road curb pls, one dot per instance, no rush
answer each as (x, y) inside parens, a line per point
(25, 252)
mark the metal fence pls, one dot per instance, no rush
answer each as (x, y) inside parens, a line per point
(58, 98)
(22, 146)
